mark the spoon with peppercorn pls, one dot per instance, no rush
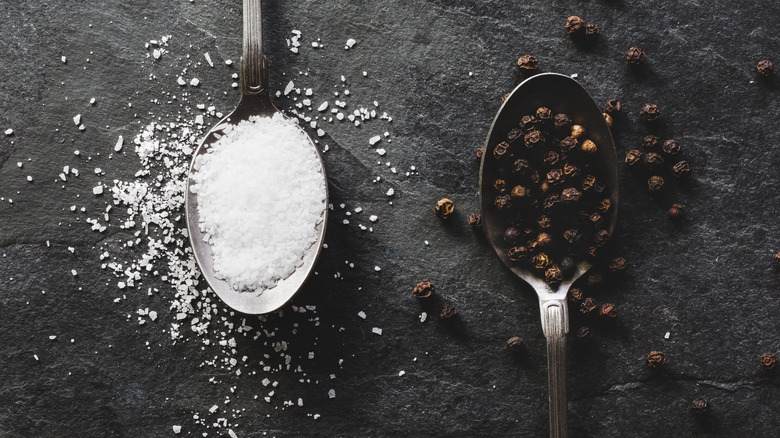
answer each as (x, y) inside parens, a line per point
(266, 280)
(549, 196)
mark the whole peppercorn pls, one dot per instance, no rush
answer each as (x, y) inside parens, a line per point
(478, 153)
(575, 294)
(555, 176)
(551, 202)
(521, 166)
(596, 219)
(768, 361)
(514, 344)
(528, 63)
(676, 211)
(561, 121)
(541, 261)
(570, 170)
(608, 310)
(528, 123)
(777, 259)
(512, 235)
(591, 31)
(605, 205)
(444, 208)
(505, 97)
(612, 106)
(570, 195)
(655, 183)
(601, 238)
(653, 159)
(589, 147)
(553, 275)
(671, 147)
(518, 253)
(503, 202)
(569, 143)
(448, 311)
(633, 156)
(617, 264)
(636, 56)
(533, 139)
(551, 158)
(543, 240)
(519, 192)
(577, 131)
(650, 112)
(700, 405)
(765, 68)
(544, 222)
(588, 183)
(501, 150)
(650, 142)
(424, 289)
(593, 252)
(656, 359)
(499, 185)
(608, 119)
(588, 305)
(584, 334)
(572, 235)
(682, 168)
(514, 134)
(574, 25)
(475, 220)
(544, 115)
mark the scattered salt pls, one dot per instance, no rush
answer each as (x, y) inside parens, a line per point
(195, 82)
(362, 314)
(376, 331)
(374, 140)
(77, 119)
(97, 190)
(177, 429)
(9, 132)
(350, 42)
(119, 142)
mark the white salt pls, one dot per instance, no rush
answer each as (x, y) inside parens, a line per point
(261, 197)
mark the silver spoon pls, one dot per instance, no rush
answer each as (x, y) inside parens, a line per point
(255, 101)
(562, 95)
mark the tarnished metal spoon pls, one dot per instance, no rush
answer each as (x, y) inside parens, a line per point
(561, 94)
(255, 100)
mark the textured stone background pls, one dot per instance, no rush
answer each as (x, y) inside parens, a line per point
(709, 281)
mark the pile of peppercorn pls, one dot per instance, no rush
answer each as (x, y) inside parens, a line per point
(549, 192)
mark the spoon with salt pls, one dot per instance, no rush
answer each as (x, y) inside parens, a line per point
(561, 94)
(255, 101)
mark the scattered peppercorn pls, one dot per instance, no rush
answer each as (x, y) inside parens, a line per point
(528, 123)
(653, 159)
(575, 294)
(574, 25)
(605, 205)
(553, 275)
(515, 344)
(544, 222)
(561, 121)
(682, 168)
(424, 289)
(577, 131)
(612, 106)
(671, 147)
(570, 195)
(528, 63)
(584, 334)
(533, 139)
(650, 112)
(608, 310)
(588, 305)
(636, 56)
(500, 150)
(633, 156)
(503, 202)
(541, 261)
(676, 211)
(650, 142)
(700, 405)
(444, 208)
(519, 192)
(656, 359)
(589, 147)
(448, 311)
(499, 185)
(544, 114)
(478, 153)
(591, 31)
(512, 235)
(569, 143)
(768, 361)
(505, 97)
(608, 119)
(517, 253)
(601, 238)
(617, 264)
(475, 220)
(655, 183)
(765, 68)
(777, 259)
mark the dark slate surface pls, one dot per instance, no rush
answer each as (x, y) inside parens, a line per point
(708, 281)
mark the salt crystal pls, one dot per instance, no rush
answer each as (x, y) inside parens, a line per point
(29, 178)
(289, 88)
(152, 315)
(377, 268)
(119, 142)
(323, 106)
(9, 132)
(77, 119)
(401, 373)
(332, 393)
(92, 101)
(381, 152)
(208, 59)
(362, 314)
(423, 316)
(52, 337)
(177, 429)
(195, 82)
(390, 191)
(374, 140)
(350, 42)
(666, 336)
(73, 272)
(97, 190)
(376, 331)
(373, 218)
(64, 59)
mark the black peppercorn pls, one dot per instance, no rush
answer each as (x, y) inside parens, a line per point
(572, 235)
(528, 123)
(655, 183)
(514, 134)
(612, 106)
(514, 344)
(671, 147)
(561, 121)
(503, 202)
(653, 159)
(512, 235)
(589, 147)
(528, 63)
(448, 311)
(588, 183)
(650, 112)
(574, 25)
(593, 252)
(588, 305)
(617, 264)
(541, 261)
(551, 158)
(650, 142)
(765, 68)
(478, 153)
(608, 310)
(584, 334)
(577, 131)
(555, 176)
(596, 219)
(543, 240)
(475, 220)
(553, 275)
(570, 195)
(682, 168)
(676, 211)
(608, 119)
(544, 115)
(605, 205)
(633, 156)
(569, 143)
(591, 31)
(570, 170)
(601, 238)
(575, 295)
(521, 166)
(777, 259)
(518, 253)
(768, 361)
(544, 222)
(505, 97)
(444, 208)
(656, 359)
(700, 405)
(499, 185)
(519, 192)
(424, 289)
(533, 139)
(636, 56)
(501, 150)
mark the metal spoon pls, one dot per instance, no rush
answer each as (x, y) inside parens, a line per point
(562, 95)
(255, 100)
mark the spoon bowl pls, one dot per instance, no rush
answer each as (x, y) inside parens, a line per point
(255, 101)
(561, 94)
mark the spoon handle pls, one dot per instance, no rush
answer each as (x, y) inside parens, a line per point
(254, 76)
(555, 324)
